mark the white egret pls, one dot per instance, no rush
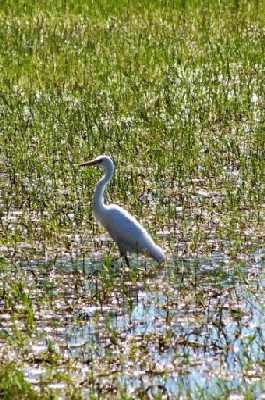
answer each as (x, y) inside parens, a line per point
(124, 229)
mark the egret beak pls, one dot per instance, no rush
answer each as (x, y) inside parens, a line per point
(89, 163)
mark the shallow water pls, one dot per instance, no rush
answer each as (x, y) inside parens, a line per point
(194, 326)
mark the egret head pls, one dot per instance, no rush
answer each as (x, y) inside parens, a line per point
(102, 161)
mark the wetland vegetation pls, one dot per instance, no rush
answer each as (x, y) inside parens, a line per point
(174, 91)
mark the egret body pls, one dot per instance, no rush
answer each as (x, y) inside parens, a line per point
(124, 229)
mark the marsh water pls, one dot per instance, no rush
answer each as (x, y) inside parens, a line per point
(193, 326)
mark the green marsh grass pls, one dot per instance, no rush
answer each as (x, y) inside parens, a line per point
(170, 100)
(174, 91)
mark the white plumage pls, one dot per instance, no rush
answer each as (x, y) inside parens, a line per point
(124, 229)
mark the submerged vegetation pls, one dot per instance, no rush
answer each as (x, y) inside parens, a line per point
(174, 91)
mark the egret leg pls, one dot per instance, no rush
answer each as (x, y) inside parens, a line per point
(126, 260)
(123, 254)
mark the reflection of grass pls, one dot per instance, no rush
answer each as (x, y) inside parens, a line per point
(113, 326)
(174, 91)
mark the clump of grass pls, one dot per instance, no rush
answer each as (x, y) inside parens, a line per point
(14, 386)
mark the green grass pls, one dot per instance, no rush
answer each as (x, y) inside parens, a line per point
(13, 384)
(174, 91)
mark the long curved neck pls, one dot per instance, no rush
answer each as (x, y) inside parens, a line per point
(98, 200)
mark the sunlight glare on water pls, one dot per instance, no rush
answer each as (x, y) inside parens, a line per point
(204, 324)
